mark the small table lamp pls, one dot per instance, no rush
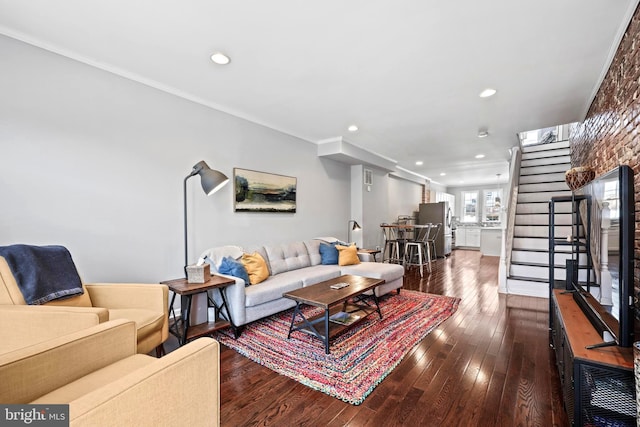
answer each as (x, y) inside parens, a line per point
(356, 226)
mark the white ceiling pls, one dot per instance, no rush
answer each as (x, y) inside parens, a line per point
(408, 73)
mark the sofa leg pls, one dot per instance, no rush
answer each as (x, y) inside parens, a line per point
(160, 351)
(237, 331)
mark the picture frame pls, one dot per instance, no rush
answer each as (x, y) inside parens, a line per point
(256, 191)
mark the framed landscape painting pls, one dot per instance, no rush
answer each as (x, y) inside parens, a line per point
(263, 192)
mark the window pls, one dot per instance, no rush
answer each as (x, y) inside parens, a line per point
(492, 205)
(469, 206)
(611, 196)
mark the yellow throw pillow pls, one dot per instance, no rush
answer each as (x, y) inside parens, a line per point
(256, 267)
(347, 255)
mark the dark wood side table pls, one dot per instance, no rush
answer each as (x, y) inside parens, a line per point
(182, 328)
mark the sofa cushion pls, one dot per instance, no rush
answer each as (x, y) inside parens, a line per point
(328, 254)
(347, 255)
(313, 248)
(319, 273)
(273, 288)
(287, 257)
(234, 268)
(375, 270)
(256, 267)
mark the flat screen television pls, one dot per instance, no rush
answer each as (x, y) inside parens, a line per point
(607, 298)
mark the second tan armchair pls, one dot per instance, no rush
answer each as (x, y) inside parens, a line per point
(97, 372)
(145, 304)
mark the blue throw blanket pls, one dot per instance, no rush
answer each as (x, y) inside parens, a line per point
(43, 273)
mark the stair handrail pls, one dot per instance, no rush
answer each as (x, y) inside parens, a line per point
(514, 181)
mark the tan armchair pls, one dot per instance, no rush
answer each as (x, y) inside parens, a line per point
(98, 373)
(145, 304)
(25, 325)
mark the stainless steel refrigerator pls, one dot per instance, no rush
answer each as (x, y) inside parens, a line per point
(435, 213)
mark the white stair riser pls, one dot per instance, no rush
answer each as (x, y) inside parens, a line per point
(537, 231)
(545, 147)
(543, 186)
(533, 170)
(542, 219)
(546, 161)
(546, 177)
(546, 153)
(543, 272)
(543, 257)
(530, 208)
(530, 243)
(541, 197)
(526, 288)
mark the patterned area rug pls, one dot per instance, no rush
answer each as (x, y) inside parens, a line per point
(360, 358)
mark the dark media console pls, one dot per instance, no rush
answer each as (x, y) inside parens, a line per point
(598, 386)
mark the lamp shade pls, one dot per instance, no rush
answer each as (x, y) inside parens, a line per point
(356, 226)
(211, 180)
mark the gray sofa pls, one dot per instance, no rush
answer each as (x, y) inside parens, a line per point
(291, 266)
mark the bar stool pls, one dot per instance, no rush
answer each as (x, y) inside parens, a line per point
(405, 233)
(418, 251)
(391, 244)
(431, 239)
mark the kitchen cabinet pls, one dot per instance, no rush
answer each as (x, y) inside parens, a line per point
(468, 237)
(491, 241)
(461, 237)
(473, 237)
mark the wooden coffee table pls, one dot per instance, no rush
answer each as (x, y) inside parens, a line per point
(350, 299)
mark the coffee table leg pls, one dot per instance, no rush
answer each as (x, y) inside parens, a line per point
(326, 331)
(375, 298)
(296, 310)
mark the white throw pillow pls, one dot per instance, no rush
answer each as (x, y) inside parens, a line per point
(216, 255)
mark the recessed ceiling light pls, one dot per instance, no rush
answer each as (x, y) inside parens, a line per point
(352, 128)
(479, 156)
(487, 93)
(220, 58)
(483, 133)
(419, 163)
(442, 174)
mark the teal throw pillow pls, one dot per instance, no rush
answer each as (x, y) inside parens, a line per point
(234, 268)
(328, 254)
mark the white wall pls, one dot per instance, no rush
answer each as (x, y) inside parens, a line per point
(405, 196)
(375, 208)
(96, 162)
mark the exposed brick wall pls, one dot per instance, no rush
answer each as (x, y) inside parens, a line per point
(610, 134)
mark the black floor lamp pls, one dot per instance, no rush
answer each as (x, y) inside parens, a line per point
(212, 181)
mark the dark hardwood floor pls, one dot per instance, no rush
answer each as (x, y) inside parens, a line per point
(489, 364)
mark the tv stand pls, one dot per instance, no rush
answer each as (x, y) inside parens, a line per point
(598, 386)
(601, 345)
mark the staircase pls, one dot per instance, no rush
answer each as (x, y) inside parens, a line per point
(541, 177)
